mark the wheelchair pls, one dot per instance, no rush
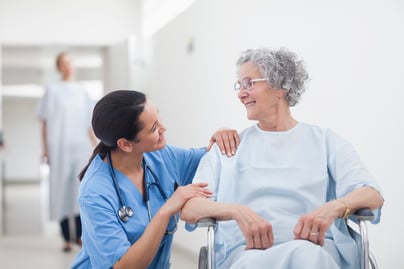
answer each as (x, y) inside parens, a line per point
(356, 224)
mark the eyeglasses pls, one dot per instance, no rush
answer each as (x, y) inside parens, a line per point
(247, 83)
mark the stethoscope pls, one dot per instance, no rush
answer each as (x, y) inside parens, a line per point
(125, 212)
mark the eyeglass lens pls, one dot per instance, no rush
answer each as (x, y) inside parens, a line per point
(246, 83)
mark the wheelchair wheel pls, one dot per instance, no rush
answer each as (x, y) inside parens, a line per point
(203, 258)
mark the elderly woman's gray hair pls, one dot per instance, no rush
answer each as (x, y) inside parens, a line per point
(282, 68)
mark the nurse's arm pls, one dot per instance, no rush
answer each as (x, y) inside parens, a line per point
(143, 251)
(227, 141)
(256, 230)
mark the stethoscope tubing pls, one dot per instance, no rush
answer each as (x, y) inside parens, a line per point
(114, 179)
(124, 207)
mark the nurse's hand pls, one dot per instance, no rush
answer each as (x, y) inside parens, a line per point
(256, 230)
(314, 225)
(227, 141)
(183, 194)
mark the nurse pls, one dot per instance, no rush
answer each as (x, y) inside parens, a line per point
(133, 171)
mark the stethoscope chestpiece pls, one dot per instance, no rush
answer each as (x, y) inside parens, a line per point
(125, 213)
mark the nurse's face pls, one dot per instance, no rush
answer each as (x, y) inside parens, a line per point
(151, 137)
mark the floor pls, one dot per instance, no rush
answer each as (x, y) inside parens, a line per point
(28, 240)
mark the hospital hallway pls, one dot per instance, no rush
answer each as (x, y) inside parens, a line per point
(29, 241)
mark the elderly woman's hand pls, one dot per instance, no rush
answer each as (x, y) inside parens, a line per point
(256, 230)
(314, 225)
(227, 141)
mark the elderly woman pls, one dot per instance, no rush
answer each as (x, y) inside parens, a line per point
(282, 199)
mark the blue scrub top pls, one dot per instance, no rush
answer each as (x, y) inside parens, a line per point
(105, 237)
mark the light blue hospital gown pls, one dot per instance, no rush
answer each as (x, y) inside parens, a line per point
(66, 107)
(106, 238)
(283, 175)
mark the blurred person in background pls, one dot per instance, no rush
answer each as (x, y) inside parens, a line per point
(65, 115)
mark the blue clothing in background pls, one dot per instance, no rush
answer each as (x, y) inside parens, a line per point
(105, 237)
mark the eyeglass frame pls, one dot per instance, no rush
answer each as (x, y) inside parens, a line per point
(238, 85)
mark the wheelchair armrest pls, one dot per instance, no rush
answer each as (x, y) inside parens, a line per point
(363, 214)
(357, 224)
(207, 253)
(206, 222)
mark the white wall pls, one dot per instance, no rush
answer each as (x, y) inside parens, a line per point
(68, 22)
(50, 27)
(22, 139)
(353, 51)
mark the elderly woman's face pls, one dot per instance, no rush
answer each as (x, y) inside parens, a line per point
(259, 100)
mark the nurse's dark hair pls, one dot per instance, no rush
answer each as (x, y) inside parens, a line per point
(115, 116)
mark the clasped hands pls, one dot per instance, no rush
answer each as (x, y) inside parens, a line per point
(259, 235)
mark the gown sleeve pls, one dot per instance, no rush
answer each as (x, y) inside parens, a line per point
(347, 171)
(209, 170)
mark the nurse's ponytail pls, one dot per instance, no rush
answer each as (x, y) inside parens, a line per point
(101, 149)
